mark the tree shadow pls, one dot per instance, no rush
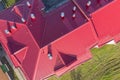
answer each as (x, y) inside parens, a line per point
(16, 1)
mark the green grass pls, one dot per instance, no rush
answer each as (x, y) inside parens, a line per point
(105, 65)
(9, 3)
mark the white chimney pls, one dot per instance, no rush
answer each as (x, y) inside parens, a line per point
(50, 56)
(28, 4)
(23, 20)
(7, 32)
(32, 16)
(74, 15)
(89, 3)
(13, 27)
(74, 8)
(62, 15)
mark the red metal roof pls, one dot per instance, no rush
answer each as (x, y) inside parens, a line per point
(48, 44)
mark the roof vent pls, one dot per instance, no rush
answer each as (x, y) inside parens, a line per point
(74, 8)
(13, 28)
(28, 4)
(88, 4)
(32, 16)
(23, 20)
(50, 56)
(62, 15)
(73, 16)
(7, 32)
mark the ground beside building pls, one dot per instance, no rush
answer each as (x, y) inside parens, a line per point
(105, 65)
(3, 76)
(7, 3)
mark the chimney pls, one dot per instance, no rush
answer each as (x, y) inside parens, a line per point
(88, 4)
(32, 16)
(74, 16)
(28, 4)
(13, 28)
(50, 56)
(23, 20)
(74, 8)
(7, 32)
(62, 15)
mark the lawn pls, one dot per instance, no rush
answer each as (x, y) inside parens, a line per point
(105, 65)
(8, 3)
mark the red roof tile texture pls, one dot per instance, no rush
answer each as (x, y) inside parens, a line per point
(48, 44)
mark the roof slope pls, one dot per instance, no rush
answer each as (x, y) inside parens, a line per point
(31, 42)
